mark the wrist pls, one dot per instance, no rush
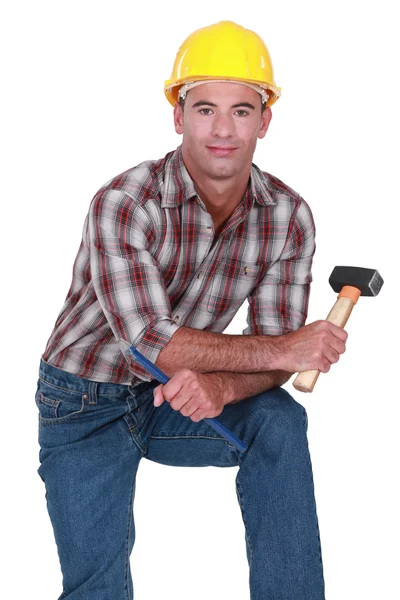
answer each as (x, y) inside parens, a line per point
(277, 345)
(227, 391)
(222, 386)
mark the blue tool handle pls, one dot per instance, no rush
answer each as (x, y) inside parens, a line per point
(228, 435)
(163, 378)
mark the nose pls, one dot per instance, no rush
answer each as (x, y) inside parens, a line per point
(223, 126)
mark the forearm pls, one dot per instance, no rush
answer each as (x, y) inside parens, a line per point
(238, 386)
(203, 351)
(314, 346)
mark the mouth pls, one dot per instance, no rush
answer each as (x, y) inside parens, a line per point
(222, 150)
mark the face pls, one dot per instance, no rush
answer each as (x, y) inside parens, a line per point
(220, 124)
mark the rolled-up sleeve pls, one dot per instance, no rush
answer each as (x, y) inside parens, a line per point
(126, 277)
(279, 304)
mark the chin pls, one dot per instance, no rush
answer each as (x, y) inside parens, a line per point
(221, 173)
(223, 167)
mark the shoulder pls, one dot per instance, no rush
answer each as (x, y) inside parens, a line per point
(140, 183)
(286, 201)
(277, 186)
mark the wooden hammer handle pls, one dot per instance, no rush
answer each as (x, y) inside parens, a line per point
(339, 315)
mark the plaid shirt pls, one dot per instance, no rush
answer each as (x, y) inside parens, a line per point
(148, 264)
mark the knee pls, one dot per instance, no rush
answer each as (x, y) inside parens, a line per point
(280, 415)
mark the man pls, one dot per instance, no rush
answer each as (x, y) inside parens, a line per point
(170, 250)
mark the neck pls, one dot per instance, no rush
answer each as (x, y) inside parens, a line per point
(220, 196)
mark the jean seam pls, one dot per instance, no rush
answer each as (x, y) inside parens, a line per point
(135, 437)
(305, 417)
(184, 437)
(73, 390)
(127, 538)
(241, 504)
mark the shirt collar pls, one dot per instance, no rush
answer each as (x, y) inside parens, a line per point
(261, 187)
(179, 187)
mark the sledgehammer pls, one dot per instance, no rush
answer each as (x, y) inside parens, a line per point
(351, 283)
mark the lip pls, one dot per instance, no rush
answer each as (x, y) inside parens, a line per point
(222, 150)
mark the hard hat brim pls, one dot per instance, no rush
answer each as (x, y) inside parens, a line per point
(171, 88)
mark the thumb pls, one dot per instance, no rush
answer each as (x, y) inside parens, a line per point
(158, 395)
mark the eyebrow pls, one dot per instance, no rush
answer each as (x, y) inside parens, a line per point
(239, 104)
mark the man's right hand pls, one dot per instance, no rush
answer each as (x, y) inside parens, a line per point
(314, 346)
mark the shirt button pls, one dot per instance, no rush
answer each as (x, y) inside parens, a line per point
(209, 228)
(199, 275)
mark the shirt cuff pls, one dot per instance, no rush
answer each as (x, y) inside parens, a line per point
(151, 344)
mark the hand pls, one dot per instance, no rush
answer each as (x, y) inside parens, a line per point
(314, 346)
(195, 395)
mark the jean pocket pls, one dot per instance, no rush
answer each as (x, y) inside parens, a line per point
(58, 406)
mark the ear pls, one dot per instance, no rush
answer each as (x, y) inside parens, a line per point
(178, 118)
(265, 121)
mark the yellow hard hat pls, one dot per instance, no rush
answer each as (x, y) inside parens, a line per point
(223, 51)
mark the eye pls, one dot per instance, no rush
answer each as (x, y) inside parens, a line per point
(241, 113)
(205, 111)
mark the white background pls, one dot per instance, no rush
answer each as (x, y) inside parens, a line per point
(83, 102)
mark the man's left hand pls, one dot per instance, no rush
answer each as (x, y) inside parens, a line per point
(195, 395)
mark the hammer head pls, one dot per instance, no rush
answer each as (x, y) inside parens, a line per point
(368, 281)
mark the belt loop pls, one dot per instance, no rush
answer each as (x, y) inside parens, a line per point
(93, 392)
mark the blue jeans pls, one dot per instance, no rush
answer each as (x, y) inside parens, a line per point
(92, 437)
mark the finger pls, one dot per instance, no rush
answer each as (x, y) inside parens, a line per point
(175, 384)
(158, 395)
(338, 345)
(197, 415)
(332, 356)
(180, 400)
(324, 366)
(338, 332)
(190, 407)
